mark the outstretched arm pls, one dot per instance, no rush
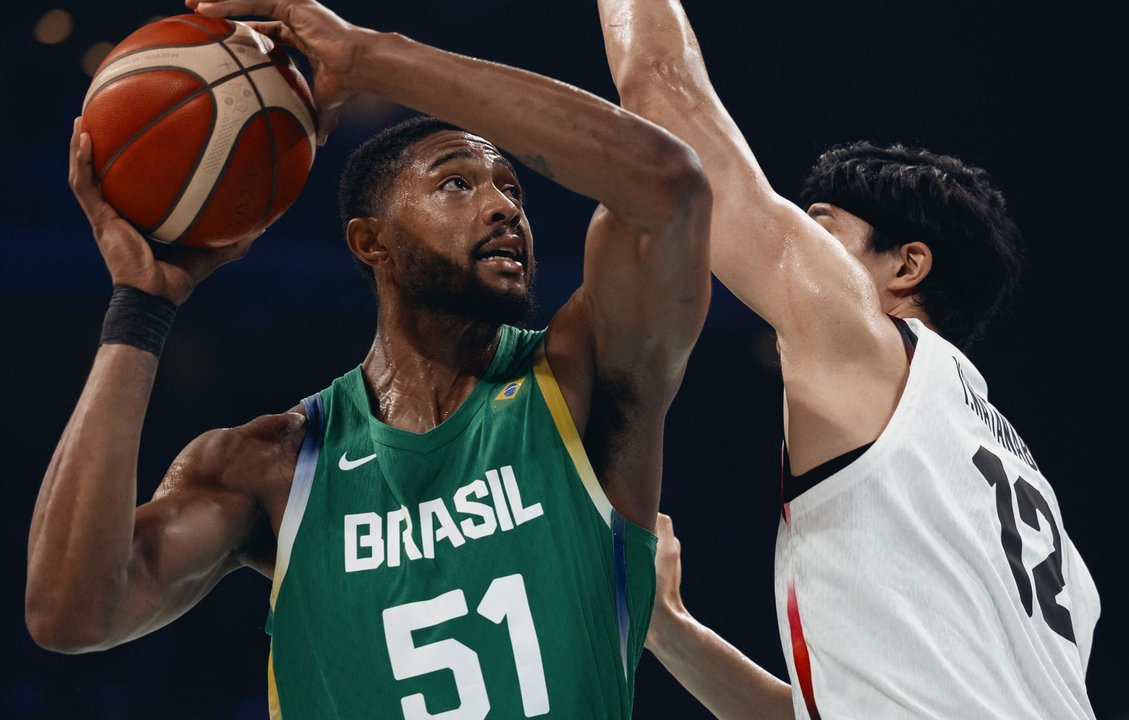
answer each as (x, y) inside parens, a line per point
(628, 331)
(573, 137)
(712, 670)
(100, 569)
(760, 242)
(840, 355)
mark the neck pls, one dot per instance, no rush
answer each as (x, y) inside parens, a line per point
(908, 307)
(423, 364)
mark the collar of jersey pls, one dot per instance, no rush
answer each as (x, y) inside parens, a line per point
(449, 429)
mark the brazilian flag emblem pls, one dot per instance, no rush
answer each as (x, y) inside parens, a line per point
(510, 390)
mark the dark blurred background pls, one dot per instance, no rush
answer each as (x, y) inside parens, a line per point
(1033, 92)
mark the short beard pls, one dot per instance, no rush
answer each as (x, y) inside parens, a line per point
(432, 280)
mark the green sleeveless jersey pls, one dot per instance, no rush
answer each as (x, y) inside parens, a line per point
(473, 571)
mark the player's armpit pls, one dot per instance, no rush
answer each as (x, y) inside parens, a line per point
(637, 315)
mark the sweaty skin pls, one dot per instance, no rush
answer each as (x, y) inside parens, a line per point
(102, 570)
(811, 275)
(813, 278)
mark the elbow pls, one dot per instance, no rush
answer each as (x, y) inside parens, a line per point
(685, 189)
(51, 634)
(48, 637)
(54, 627)
(660, 180)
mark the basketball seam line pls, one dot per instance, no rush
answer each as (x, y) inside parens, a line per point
(211, 39)
(160, 116)
(219, 179)
(227, 161)
(206, 31)
(165, 113)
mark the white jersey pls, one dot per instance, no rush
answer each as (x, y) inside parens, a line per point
(931, 577)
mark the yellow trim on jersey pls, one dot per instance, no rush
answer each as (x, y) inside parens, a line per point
(272, 688)
(281, 563)
(566, 428)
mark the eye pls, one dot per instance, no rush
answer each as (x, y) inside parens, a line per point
(513, 191)
(455, 183)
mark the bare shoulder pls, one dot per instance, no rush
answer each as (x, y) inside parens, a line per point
(254, 458)
(841, 395)
(233, 483)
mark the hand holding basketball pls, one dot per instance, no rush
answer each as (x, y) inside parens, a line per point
(203, 130)
(128, 256)
(317, 32)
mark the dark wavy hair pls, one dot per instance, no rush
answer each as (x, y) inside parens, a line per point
(909, 195)
(372, 167)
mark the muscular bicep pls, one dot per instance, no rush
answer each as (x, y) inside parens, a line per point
(763, 248)
(200, 525)
(841, 357)
(775, 258)
(183, 544)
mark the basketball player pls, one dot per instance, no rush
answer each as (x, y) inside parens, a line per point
(461, 525)
(922, 567)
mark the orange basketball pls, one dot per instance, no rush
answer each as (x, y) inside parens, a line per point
(202, 130)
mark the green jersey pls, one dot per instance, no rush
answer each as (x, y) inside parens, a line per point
(472, 571)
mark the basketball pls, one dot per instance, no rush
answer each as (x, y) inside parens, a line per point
(202, 130)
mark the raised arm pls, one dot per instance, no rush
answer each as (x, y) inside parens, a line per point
(761, 244)
(573, 137)
(840, 356)
(101, 570)
(627, 333)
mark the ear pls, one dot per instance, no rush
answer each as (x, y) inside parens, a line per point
(915, 261)
(367, 240)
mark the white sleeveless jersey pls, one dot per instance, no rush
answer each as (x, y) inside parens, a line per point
(931, 577)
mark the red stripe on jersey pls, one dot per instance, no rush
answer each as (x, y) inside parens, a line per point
(800, 653)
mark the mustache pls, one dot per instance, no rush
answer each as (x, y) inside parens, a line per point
(514, 227)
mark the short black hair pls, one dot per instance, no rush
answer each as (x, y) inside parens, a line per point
(370, 169)
(909, 195)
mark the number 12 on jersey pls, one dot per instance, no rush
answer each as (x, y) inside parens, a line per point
(1047, 575)
(505, 599)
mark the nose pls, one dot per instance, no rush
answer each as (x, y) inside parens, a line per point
(499, 208)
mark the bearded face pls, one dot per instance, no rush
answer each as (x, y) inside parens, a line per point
(460, 287)
(452, 234)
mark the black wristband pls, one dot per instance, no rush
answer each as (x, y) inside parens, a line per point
(137, 318)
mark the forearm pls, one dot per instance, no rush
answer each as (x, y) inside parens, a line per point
(716, 673)
(658, 68)
(583, 142)
(82, 529)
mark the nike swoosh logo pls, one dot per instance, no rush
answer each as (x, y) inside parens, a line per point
(346, 464)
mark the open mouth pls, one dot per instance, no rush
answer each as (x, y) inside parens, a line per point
(505, 253)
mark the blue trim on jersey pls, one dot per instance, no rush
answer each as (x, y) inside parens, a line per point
(304, 471)
(315, 411)
(311, 448)
(619, 556)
